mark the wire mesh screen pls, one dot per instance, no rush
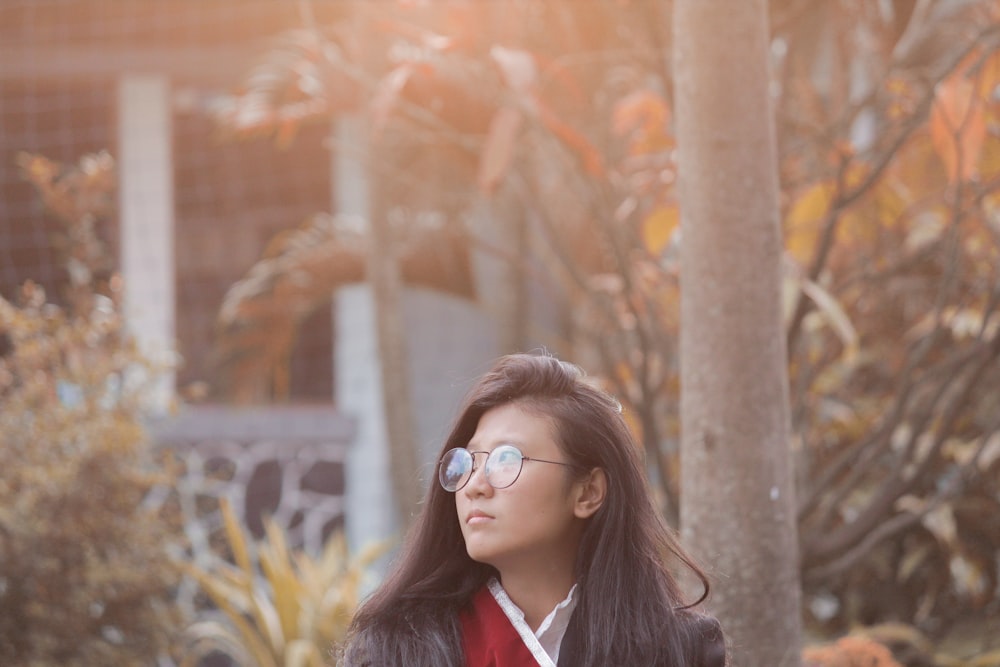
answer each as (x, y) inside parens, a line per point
(232, 197)
(62, 121)
(61, 63)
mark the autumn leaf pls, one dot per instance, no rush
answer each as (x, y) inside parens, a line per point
(517, 68)
(658, 228)
(882, 208)
(806, 215)
(989, 164)
(958, 126)
(988, 76)
(643, 117)
(520, 72)
(387, 94)
(836, 316)
(405, 30)
(499, 149)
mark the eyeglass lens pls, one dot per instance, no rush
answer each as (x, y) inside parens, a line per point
(502, 467)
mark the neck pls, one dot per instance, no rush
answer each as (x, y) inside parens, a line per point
(537, 591)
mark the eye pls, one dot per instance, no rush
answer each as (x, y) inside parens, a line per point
(506, 455)
(455, 469)
(503, 466)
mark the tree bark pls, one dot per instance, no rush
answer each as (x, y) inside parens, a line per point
(737, 494)
(385, 277)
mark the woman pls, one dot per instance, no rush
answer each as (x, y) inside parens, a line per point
(540, 546)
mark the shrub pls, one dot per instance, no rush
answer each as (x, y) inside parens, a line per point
(84, 575)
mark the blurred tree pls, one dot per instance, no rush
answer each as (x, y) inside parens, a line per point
(85, 574)
(893, 245)
(560, 115)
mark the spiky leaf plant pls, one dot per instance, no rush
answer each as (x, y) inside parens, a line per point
(280, 608)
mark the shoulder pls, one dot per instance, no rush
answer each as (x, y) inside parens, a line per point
(708, 643)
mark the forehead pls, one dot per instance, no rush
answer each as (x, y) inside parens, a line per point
(516, 424)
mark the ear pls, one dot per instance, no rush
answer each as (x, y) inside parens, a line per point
(590, 494)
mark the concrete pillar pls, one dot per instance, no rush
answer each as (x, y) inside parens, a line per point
(451, 341)
(369, 508)
(146, 212)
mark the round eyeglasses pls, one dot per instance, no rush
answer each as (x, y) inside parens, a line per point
(502, 468)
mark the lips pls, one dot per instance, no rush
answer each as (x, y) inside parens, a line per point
(477, 516)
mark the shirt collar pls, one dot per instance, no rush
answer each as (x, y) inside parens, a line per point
(553, 627)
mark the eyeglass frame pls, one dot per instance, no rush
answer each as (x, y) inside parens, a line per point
(472, 471)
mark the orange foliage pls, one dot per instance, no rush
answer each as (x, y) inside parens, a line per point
(849, 652)
(958, 120)
(643, 116)
(658, 228)
(499, 148)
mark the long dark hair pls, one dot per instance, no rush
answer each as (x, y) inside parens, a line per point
(630, 608)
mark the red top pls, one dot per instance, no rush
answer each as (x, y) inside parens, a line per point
(488, 638)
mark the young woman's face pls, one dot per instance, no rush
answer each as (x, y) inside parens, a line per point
(535, 521)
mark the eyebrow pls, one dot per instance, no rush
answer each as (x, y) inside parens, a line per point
(503, 441)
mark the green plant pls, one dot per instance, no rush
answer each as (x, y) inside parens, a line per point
(281, 608)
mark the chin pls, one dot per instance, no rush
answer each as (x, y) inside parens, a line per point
(480, 554)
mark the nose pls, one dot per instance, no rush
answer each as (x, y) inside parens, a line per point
(478, 484)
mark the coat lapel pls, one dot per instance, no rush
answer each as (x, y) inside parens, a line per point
(488, 637)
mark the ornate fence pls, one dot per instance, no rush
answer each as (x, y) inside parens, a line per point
(283, 462)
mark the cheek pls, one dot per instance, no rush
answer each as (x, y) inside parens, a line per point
(541, 507)
(560, 508)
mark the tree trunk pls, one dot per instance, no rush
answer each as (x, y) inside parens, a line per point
(394, 362)
(737, 502)
(384, 274)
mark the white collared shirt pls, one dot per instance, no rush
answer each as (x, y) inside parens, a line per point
(543, 643)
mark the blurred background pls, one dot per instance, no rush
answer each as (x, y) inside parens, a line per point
(252, 253)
